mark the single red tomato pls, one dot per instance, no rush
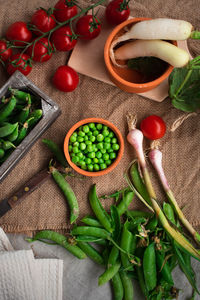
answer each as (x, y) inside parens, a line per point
(20, 62)
(18, 31)
(42, 50)
(65, 79)
(43, 21)
(117, 12)
(65, 10)
(5, 52)
(63, 39)
(88, 27)
(153, 127)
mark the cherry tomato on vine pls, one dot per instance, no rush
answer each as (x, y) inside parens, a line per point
(19, 32)
(5, 52)
(63, 39)
(20, 62)
(43, 21)
(117, 11)
(65, 10)
(88, 27)
(65, 79)
(153, 127)
(42, 50)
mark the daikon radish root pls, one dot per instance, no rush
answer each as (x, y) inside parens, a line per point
(161, 49)
(161, 28)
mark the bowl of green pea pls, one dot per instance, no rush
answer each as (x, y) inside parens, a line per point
(93, 147)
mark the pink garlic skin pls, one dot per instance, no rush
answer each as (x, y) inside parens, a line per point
(155, 157)
(135, 138)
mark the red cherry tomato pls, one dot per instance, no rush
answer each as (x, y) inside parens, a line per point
(65, 79)
(43, 20)
(5, 52)
(22, 62)
(19, 31)
(63, 39)
(65, 10)
(88, 27)
(42, 50)
(153, 127)
(117, 12)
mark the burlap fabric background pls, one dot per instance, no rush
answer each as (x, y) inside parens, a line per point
(46, 207)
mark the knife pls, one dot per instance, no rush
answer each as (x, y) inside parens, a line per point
(25, 190)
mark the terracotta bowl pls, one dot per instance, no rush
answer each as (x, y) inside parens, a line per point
(125, 78)
(115, 162)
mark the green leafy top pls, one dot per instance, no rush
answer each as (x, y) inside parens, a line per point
(184, 86)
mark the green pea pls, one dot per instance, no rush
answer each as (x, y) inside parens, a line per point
(86, 138)
(86, 128)
(89, 148)
(92, 138)
(70, 148)
(105, 133)
(88, 161)
(89, 133)
(75, 159)
(75, 149)
(106, 146)
(80, 128)
(103, 151)
(108, 162)
(95, 148)
(92, 126)
(114, 141)
(112, 155)
(99, 126)
(101, 161)
(105, 127)
(96, 167)
(91, 155)
(100, 137)
(88, 143)
(98, 154)
(105, 156)
(115, 147)
(111, 134)
(81, 133)
(100, 146)
(82, 146)
(80, 139)
(72, 154)
(110, 150)
(95, 132)
(82, 164)
(80, 155)
(75, 134)
(107, 139)
(90, 168)
(84, 167)
(76, 144)
(103, 166)
(95, 160)
(72, 138)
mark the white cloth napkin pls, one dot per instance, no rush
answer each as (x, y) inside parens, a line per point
(22, 277)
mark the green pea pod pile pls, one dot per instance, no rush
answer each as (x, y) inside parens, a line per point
(19, 113)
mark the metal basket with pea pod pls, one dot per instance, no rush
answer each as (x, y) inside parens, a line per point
(32, 118)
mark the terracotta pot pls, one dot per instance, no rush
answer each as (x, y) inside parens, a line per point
(115, 162)
(127, 79)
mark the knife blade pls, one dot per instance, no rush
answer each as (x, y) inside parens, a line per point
(26, 189)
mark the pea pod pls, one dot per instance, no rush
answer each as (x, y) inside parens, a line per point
(127, 285)
(23, 132)
(116, 223)
(149, 267)
(13, 136)
(138, 213)
(140, 276)
(91, 252)
(98, 210)
(109, 273)
(2, 152)
(138, 183)
(7, 109)
(60, 240)
(56, 151)
(90, 239)
(113, 256)
(117, 287)
(7, 145)
(24, 113)
(152, 224)
(35, 115)
(125, 202)
(169, 212)
(91, 221)
(163, 267)
(7, 129)
(68, 193)
(125, 244)
(93, 231)
(20, 95)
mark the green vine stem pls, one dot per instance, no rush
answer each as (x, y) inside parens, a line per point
(195, 35)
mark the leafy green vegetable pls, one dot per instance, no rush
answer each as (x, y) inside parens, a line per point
(184, 86)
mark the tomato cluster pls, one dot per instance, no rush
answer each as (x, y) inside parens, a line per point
(51, 30)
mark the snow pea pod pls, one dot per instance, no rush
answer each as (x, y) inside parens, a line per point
(149, 267)
(91, 252)
(7, 129)
(7, 109)
(58, 153)
(60, 240)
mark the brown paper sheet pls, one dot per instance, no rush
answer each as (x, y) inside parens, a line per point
(46, 207)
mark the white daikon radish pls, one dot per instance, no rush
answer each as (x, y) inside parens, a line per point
(161, 49)
(161, 28)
